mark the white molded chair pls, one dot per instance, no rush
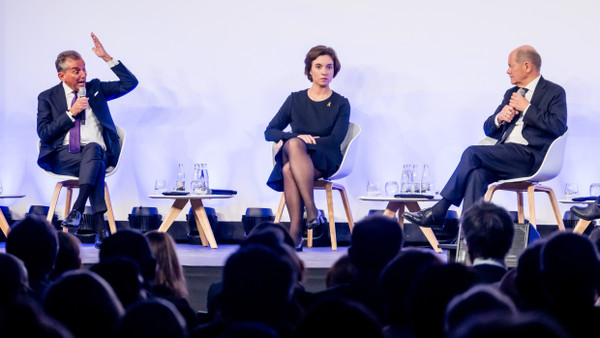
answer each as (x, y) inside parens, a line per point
(344, 170)
(550, 168)
(72, 182)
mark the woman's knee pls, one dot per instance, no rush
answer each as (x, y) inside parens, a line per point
(294, 145)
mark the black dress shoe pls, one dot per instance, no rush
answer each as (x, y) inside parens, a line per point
(72, 220)
(424, 218)
(589, 213)
(317, 222)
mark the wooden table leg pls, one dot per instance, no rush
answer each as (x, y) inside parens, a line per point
(202, 220)
(581, 226)
(4, 224)
(178, 205)
(414, 207)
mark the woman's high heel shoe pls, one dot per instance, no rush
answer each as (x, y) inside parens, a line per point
(318, 221)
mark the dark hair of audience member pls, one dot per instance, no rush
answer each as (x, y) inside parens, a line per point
(169, 273)
(69, 254)
(24, 317)
(341, 272)
(488, 230)
(375, 241)
(13, 279)
(530, 294)
(397, 282)
(34, 241)
(476, 302)
(123, 275)
(85, 303)
(277, 228)
(257, 286)
(569, 270)
(432, 291)
(155, 318)
(132, 244)
(502, 325)
(339, 318)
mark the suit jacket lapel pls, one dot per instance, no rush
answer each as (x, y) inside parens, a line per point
(60, 97)
(540, 91)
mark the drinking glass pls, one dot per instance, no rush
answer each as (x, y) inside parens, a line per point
(160, 186)
(372, 188)
(391, 188)
(1, 190)
(571, 190)
(594, 189)
(406, 182)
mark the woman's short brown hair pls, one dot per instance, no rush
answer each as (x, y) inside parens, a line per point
(314, 53)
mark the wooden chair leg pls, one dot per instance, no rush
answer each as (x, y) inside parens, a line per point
(109, 211)
(52, 207)
(280, 209)
(346, 203)
(581, 226)
(555, 208)
(490, 192)
(531, 201)
(520, 209)
(332, 234)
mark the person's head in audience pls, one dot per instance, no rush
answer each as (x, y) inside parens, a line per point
(527, 281)
(132, 244)
(488, 231)
(341, 272)
(123, 275)
(14, 282)
(569, 271)
(397, 280)
(277, 228)
(476, 302)
(502, 325)
(431, 293)
(339, 318)
(69, 254)
(375, 241)
(85, 303)
(24, 317)
(34, 241)
(169, 273)
(257, 286)
(156, 318)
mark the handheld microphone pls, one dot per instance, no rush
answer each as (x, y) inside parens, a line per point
(520, 91)
(82, 93)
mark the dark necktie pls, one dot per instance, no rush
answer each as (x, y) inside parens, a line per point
(511, 126)
(74, 136)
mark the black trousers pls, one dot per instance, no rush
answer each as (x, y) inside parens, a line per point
(481, 165)
(89, 165)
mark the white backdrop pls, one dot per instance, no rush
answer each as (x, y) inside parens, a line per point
(421, 77)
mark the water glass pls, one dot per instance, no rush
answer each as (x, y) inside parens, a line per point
(406, 184)
(372, 188)
(160, 186)
(1, 190)
(392, 188)
(571, 190)
(595, 189)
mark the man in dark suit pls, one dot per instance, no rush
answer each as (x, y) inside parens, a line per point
(78, 135)
(532, 114)
(488, 230)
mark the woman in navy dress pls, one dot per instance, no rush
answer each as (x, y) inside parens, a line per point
(319, 119)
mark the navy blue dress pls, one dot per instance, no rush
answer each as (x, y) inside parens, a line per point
(327, 119)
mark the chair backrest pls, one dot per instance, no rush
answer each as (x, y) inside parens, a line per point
(109, 170)
(348, 152)
(552, 164)
(122, 134)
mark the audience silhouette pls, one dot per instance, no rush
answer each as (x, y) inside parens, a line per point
(379, 289)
